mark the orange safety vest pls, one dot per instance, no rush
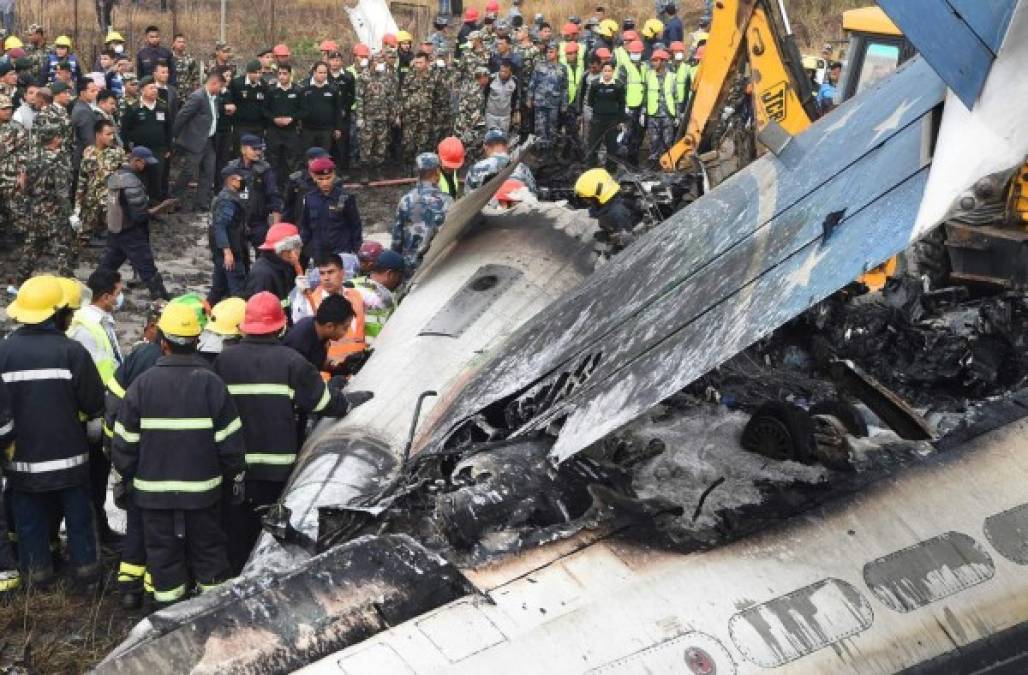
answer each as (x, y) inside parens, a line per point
(354, 341)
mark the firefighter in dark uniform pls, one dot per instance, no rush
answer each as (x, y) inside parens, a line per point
(285, 111)
(267, 381)
(51, 381)
(177, 439)
(247, 104)
(260, 195)
(278, 265)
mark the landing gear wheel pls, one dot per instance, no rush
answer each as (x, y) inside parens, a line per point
(780, 431)
(846, 413)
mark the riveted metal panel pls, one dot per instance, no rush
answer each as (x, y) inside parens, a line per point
(472, 300)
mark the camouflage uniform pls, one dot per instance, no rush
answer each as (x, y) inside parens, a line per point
(469, 61)
(187, 75)
(445, 101)
(124, 104)
(13, 144)
(481, 171)
(549, 92)
(376, 100)
(45, 201)
(418, 217)
(419, 113)
(469, 126)
(438, 40)
(212, 63)
(91, 191)
(55, 115)
(39, 56)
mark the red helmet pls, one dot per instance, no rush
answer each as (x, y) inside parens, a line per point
(328, 46)
(492, 6)
(698, 54)
(263, 315)
(635, 47)
(470, 14)
(280, 50)
(677, 46)
(451, 153)
(279, 234)
(361, 49)
(570, 47)
(369, 251)
(603, 54)
(505, 195)
(569, 29)
(629, 36)
(389, 40)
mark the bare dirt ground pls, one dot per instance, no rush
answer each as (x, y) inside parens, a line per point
(60, 631)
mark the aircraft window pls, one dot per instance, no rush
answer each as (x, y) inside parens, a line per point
(879, 60)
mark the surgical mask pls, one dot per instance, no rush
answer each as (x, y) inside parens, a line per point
(635, 57)
(119, 49)
(380, 67)
(439, 63)
(364, 63)
(119, 301)
(679, 56)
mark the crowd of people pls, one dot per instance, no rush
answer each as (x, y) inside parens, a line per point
(203, 419)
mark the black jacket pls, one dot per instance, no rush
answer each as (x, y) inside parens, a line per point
(260, 195)
(150, 128)
(251, 102)
(227, 226)
(330, 223)
(607, 99)
(142, 359)
(270, 273)
(322, 107)
(50, 380)
(298, 185)
(266, 380)
(178, 435)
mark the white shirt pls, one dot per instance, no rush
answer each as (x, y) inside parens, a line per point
(213, 102)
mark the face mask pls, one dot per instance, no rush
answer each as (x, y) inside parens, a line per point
(439, 63)
(679, 56)
(364, 63)
(635, 57)
(380, 67)
(119, 49)
(119, 301)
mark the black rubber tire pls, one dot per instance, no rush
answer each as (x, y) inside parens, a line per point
(780, 431)
(845, 412)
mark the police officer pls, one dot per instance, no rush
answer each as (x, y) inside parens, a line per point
(421, 212)
(260, 195)
(50, 380)
(177, 438)
(329, 221)
(267, 380)
(285, 111)
(227, 238)
(247, 103)
(299, 185)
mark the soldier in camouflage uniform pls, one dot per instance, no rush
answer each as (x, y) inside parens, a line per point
(469, 126)
(37, 50)
(98, 162)
(422, 92)
(421, 213)
(496, 159)
(13, 142)
(446, 96)
(187, 69)
(56, 115)
(222, 59)
(130, 97)
(377, 91)
(472, 56)
(530, 57)
(548, 96)
(44, 197)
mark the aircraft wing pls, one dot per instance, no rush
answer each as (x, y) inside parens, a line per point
(779, 236)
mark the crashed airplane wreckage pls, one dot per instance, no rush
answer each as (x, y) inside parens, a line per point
(577, 497)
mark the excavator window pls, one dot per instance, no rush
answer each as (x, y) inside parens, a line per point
(880, 59)
(869, 58)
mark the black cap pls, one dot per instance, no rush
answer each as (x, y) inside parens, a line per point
(253, 66)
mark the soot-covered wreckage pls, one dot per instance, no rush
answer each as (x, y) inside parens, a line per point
(706, 453)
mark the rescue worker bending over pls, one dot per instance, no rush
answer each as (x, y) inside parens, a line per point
(278, 265)
(178, 436)
(267, 380)
(599, 190)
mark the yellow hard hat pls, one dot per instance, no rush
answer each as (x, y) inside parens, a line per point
(700, 36)
(226, 316)
(404, 36)
(38, 299)
(607, 28)
(598, 184)
(13, 42)
(114, 36)
(72, 291)
(179, 320)
(63, 41)
(652, 28)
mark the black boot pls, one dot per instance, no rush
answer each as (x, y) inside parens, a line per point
(157, 289)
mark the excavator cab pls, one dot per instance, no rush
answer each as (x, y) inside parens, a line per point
(876, 48)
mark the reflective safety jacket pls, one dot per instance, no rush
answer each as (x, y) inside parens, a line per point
(379, 304)
(106, 355)
(267, 380)
(633, 76)
(654, 85)
(53, 386)
(178, 435)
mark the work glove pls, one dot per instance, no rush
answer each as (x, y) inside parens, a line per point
(238, 489)
(120, 491)
(356, 398)
(94, 431)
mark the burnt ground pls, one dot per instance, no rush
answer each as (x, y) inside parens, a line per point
(61, 631)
